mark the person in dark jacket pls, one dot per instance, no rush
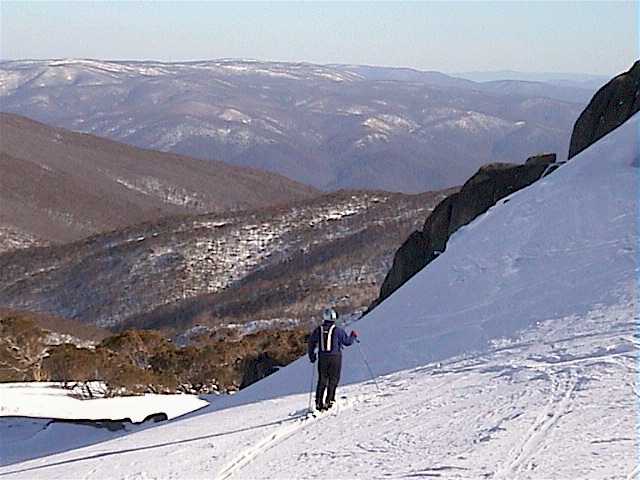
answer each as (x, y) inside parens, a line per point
(329, 339)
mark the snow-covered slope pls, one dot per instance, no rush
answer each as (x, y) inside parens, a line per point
(513, 355)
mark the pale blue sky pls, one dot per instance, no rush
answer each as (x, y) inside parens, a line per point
(588, 37)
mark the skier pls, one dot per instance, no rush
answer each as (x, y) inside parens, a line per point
(329, 339)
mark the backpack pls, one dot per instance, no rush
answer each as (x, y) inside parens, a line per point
(326, 338)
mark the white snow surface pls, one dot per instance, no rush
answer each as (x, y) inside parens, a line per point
(34, 417)
(51, 400)
(513, 355)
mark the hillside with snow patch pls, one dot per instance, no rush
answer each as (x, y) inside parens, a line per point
(282, 261)
(513, 355)
(57, 186)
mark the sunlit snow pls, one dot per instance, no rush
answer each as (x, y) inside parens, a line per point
(512, 355)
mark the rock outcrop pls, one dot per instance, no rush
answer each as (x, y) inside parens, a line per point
(257, 368)
(609, 108)
(490, 184)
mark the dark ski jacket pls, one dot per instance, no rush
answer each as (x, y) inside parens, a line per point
(328, 344)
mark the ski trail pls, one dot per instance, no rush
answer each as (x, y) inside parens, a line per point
(278, 436)
(250, 453)
(548, 417)
(635, 473)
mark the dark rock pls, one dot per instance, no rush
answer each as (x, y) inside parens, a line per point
(408, 260)
(490, 184)
(156, 417)
(543, 159)
(610, 107)
(111, 425)
(257, 368)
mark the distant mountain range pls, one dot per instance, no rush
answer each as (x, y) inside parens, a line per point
(574, 80)
(329, 126)
(58, 186)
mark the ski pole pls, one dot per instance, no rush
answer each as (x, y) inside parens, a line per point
(313, 377)
(367, 364)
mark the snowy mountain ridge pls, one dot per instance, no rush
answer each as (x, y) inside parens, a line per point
(318, 124)
(513, 355)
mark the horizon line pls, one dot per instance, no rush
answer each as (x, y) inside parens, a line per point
(302, 62)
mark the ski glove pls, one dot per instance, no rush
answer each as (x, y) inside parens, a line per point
(312, 357)
(354, 334)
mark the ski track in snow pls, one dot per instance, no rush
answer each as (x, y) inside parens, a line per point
(529, 443)
(547, 418)
(497, 414)
(275, 438)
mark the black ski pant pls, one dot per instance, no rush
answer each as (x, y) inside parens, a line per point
(329, 367)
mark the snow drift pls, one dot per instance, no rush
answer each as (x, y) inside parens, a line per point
(51, 400)
(40, 418)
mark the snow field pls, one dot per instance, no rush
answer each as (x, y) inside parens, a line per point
(27, 413)
(512, 355)
(51, 400)
(556, 402)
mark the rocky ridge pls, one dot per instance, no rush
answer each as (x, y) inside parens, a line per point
(490, 184)
(610, 107)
